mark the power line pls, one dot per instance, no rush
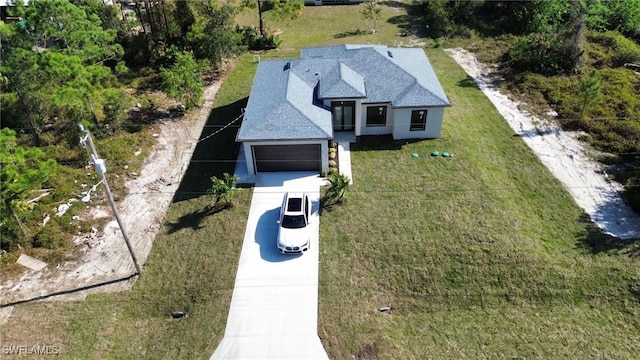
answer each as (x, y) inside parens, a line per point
(221, 129)
(162, 121)
(414, 191)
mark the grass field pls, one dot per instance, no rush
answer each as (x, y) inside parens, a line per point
(480, 256)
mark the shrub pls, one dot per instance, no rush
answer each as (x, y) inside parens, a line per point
(632, 195)
(253, 41)
(223, 189)
(626, 51)
(438, 18)
(542, 54)
(114, 108)
(8, 257)
(51, 237)
(613, 49)
(338, 187)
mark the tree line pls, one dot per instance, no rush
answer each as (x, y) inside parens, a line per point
(69, 62)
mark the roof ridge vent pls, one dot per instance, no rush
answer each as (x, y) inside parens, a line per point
(287, 66)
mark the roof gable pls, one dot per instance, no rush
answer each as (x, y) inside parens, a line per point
(341, 82)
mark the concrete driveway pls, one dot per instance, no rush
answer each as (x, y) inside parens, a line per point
(274, 307)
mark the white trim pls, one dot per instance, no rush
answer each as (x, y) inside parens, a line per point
(387, 128)
(248, 153)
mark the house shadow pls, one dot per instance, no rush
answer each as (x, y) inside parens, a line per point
(381, 142)
(266, 237)
(194, 219)
(215, 154)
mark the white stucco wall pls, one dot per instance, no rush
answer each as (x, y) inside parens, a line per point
(375, 130)
(398, 121)
(402, 123)
(248, 154)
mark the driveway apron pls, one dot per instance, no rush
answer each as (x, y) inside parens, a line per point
(274, 307)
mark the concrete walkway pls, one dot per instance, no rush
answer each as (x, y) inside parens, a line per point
(274, 307)
(344, 140)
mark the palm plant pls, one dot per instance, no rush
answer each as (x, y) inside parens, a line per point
(223, 189)
(338, 187)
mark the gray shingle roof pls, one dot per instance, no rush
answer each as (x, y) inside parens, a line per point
(282, 104)
(341, 82)
(280, 107)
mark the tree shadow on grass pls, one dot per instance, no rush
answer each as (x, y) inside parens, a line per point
(395, 4)
(411, 23)
(214, 155)
(468, 82)
(328, 205)
(597, 242)
(349, 33)
(194, 219)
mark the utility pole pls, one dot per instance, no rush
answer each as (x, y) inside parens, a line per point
(101, 168)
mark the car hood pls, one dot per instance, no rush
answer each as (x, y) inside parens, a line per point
(293, 237)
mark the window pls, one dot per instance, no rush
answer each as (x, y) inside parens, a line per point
(418, 120)
(376, 116)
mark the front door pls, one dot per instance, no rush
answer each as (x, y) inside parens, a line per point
(344, 114)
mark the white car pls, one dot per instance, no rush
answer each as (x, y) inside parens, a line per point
(294, 234)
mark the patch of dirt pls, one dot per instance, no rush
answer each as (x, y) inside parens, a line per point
(104, 256)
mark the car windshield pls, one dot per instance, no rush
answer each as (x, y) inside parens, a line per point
(293, 221)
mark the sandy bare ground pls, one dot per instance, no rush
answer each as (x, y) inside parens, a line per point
(567, 158)
(143, 210)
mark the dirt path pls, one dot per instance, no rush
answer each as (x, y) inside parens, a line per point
(566, 157)
(106, 257)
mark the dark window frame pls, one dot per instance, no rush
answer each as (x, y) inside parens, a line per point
(378, 117)
(418, 120)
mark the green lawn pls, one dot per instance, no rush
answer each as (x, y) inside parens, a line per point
(480, 256)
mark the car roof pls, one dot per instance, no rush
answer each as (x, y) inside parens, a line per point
(294, 202)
